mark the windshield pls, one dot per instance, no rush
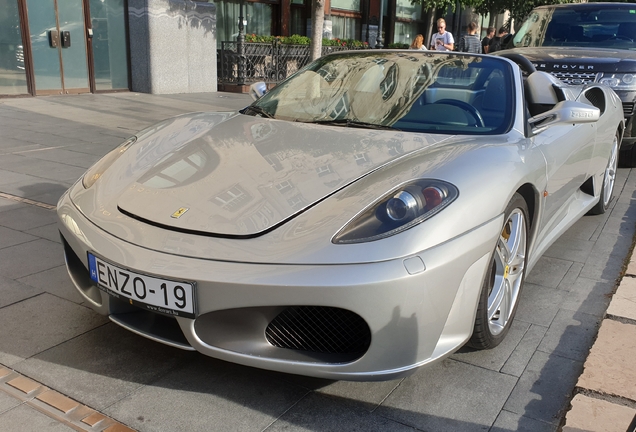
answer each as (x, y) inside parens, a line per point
(417, 92)
(598, 26)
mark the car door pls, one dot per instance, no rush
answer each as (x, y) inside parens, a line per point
(568, 150)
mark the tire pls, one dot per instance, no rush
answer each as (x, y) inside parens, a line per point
(504, 278)
(609, 179)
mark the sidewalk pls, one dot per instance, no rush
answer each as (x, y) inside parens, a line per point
(63, 367)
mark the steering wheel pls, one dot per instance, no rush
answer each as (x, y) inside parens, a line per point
(479, 120)
(621, 37)
(525, 64)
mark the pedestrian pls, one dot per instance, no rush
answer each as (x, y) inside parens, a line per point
(497, 42)
(490, 33)
(470, 42)
(418, 43)
(442, 40)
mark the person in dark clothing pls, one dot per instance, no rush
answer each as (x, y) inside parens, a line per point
(490, 33)
(497, 42)
(470, 42)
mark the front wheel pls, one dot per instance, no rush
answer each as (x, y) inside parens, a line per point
(609, 179)
(504, 278)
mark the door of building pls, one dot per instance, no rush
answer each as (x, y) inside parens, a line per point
(58, 45)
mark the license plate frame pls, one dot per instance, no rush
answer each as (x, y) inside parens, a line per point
(156, 294)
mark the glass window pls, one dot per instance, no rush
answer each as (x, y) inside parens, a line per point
(345, 27)
(353, 5)
(405, 9)
(405, 32)
(258, 19)
(12, 72)
(109, 44)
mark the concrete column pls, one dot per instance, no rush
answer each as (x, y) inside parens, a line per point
(172, 46)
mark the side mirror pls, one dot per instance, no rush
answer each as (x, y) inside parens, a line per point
(566, 112)
(257, 90)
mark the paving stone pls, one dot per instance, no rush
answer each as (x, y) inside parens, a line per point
(318, 413)
(602, 267)
(27, 217)
(23, 418)
(548, 272)
(623, 302)
(584, 229)
(428, 400)
(543, 390)
(508, 421)
(9, 237)
(231, 399)
(577, 250)
(610, 364)
(6, 403)
(570, 335)
(631, 266)
(104, 365)
(30, 258)
(617, 245)
(49, 232)
(595, 415)
(495, 358)
(617, 224)
(520, 357)
(38, 189)
(66, 156)
(39, 323)
(57, 401)
(8, 205)
(10, 177)
(588, 296)
(55, 281)
(538, 305)
(367, 394)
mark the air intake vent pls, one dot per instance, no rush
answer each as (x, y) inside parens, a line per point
(596, 98)
(320, 329)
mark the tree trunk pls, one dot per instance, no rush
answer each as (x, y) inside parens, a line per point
(317, 21)
(430, 23)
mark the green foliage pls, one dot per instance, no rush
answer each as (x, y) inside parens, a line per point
(398, 46)
(304, 40)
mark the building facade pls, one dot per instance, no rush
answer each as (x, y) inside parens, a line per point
(170, 46)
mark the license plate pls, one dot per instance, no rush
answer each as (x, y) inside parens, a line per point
(155, 294)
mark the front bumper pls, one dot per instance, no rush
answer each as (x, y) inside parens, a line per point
(418, 309)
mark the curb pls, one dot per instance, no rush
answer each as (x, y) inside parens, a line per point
(606, 390)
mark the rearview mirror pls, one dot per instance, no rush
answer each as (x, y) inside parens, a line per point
(257, 90)
(566, 112)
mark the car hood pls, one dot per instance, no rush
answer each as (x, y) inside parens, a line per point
(577, 58)
(240, 176)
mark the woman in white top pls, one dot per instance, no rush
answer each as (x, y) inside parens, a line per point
(442, 40)
(418, 43)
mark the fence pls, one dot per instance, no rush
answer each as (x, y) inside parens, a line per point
(264, 61)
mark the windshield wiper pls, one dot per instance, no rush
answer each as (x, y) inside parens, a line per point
(352, 123)
(257, 110)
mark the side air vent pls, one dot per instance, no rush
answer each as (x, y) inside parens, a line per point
(320, 329)
(596, 98)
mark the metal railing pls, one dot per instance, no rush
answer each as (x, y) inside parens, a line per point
(269, 62)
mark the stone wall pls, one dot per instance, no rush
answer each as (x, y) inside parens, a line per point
(172, 46)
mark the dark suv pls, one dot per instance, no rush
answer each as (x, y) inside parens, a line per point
(586, 42)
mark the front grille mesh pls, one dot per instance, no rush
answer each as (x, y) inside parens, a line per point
(575, 78)
(319, 329)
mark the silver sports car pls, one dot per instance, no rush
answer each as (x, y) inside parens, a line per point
(369, 215)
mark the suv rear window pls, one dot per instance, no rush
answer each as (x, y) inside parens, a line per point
(599, 27)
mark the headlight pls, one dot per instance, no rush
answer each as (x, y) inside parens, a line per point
(399, 210)
(96, 171)
(619, 81)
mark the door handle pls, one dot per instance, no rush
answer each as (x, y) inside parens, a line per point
(66, 39)
(54, 38)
